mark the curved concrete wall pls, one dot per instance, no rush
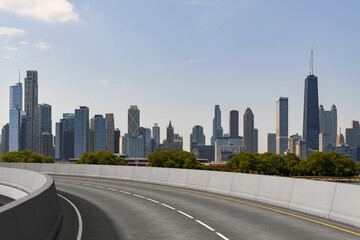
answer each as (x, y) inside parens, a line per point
(335, 201)
(36, 215)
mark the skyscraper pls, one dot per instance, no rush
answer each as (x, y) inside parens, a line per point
(197, 137)
(15, 117)
(170, 133)
(256, 142)
(98, 125)
(156, 134)
(133, 121)
(234, 123)
(271, 142)
(5, 139)
(311, 128)
(292, 142)
(282, 125)
(328, 122)
(110, 132)
(352, 135)
(81, 131)
(248, 124)
(217, 129)
(31, 102)
(44, 142)
(117, 140)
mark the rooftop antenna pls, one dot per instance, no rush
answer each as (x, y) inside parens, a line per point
(311, 63)
(19, 75)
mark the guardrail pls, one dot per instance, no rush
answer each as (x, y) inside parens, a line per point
(35, 214)
(334, 201)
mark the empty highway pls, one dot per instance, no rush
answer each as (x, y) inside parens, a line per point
(114, 209)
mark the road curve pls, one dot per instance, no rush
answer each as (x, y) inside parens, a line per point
(113, 209)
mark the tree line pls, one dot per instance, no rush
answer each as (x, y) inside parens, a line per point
(25, 156)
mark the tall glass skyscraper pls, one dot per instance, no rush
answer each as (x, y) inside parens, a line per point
(197, 137)
(133, 121)
(100, 133)
(15, 116)
(156, 134)
(217, 129)
(249, 133)
(282, 125)
(31, 102)
(311, 128)
(234, 123)
(81, 131)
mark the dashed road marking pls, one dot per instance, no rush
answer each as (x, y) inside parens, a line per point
(97, 186)
(207, 226)
(125, 192)
(168, 206)
(222, 236)
(152, 200)
(139, 196)
(112, 189)
(185, 214)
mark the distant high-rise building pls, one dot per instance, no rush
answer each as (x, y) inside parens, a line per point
(45, 146)
(81, 131)
(282, 125)
(44, 118)
(271, 142)
(292, 142)
(234, 123)
(156, 134)
(133, 147)
(69, 121)
(324, 142)
(197, 137)
(340, 139)
(311, 128)
(217, 129)
(204, 152)
(15, 117)
(173, 141)
(301, 149)
(44, 140)
(59, 128)
(98, 128)
(256, 142)
(16, 96)
(148, 142)
(328, 122)
(170, 133)
(110, 132)
(133, 121)
(117, 140)
(352, 135)
(248, 121)
(31, 102)
(5, 139)
(228, 147)
(67, 144)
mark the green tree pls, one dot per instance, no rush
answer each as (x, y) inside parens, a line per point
(102, 158)
(174, 159)
(25, 156)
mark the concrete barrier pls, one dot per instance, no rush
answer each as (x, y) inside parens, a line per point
(198, 180)
(92, 170)
(312, 197)
(177, 177)
(220, 182)
(125, 173)
(159, 175)
(345, 207)
(109, 171)
(77, 169)
(141, 174)
(63, 169)
(34, 216)
(276, 191)
(246, 186)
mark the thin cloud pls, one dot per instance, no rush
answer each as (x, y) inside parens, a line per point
(7, 57)
(158, 65)
(201, 2)
(24, 43)
(46, 10)
(11, 32)
(198, 60)
(104, 81)
(11, 49)
(43, 45)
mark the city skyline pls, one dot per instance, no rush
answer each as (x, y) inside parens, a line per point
(218, 71)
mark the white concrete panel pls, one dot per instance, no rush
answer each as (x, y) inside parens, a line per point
(198, 180)
(33, 166)
(159, 175)
(345, 207)
(276, 191)
(141, 174)
(109, 171)
(312, 197)
(246, 186)
(77, 169)
(5, 164)
(125, 173)
(93, 170)
(62, 168)
(48, 168)
(220, 182)
(12, 192)
(178, 177)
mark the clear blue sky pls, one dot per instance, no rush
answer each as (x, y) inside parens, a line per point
(177, 59)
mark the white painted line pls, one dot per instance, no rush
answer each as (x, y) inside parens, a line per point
(74, 182)
(78, 215)
(125, 192)
(87, 184)
(97, 186)
(168, 206)
(112, 189)
(208, 227)
(152, 200)
(185, 214)
(222, 236)
(138, 196)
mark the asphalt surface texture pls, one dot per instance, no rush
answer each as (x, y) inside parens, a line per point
(114, 209)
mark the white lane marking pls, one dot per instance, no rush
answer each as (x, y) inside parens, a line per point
(125, 192)
(168, 206)
(185, 214)
(78, 215)
(152, 200)
(74, 182)
(222, 236)
(97, 186)
(208, 227)
(138, 196)
(87, 184)
(112, 189)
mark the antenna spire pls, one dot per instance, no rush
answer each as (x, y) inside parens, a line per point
(19, 75)
(312, 63)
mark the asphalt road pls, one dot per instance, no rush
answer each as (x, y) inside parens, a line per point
(112, 209)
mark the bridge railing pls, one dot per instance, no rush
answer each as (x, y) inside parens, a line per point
(334, 201)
